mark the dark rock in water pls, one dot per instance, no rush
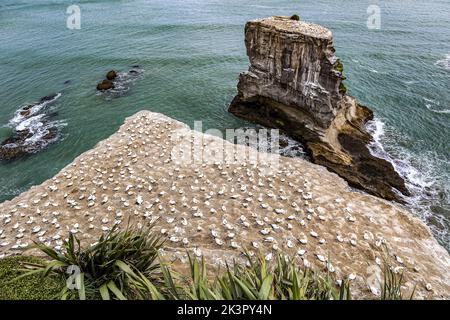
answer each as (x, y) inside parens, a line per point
(121, 84)
(22, 135)
(11, 152)
(25, 112)
(32, 130)
(67, 81)
(13, 147)
(52, 133)
(111, 75)
(105, 85)
(136, 66)
(48, 98)
(10, 140)
(294, 83)
(16, 147)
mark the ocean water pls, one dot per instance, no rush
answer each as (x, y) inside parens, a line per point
(191, 52)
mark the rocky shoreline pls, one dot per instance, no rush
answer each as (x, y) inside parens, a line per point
(295, 83)
(219, 209)
(32, 129)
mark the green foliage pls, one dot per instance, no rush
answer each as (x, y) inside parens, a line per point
(121, 265)
(256, 280)
(32, 287)
(126, 265)
(391, 288)
(339, 66)
(295, 17)
(342, 88)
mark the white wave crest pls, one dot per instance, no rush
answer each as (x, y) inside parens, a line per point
(34, 125)
(428, 186)
(445, 63)
(430, 107)
(27, 111)
(435, 106)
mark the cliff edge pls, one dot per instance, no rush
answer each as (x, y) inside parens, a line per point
(294, 83)
(221, 209)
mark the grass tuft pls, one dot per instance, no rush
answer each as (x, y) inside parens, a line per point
(391, 288)
(32, 287)
(256, 280)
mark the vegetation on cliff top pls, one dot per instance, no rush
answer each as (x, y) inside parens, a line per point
(126, 265)
(31, 287)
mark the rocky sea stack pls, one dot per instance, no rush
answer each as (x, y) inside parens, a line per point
(294, 83)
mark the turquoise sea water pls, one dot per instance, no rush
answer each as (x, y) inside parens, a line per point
(192, 52)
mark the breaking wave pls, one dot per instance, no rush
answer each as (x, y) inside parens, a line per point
(435, 106)
(33, 128)
(429, 188)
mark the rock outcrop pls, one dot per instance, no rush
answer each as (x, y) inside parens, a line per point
(105, 85)
(117, 83)
(111, 75)
(294, 83)
(33, 129)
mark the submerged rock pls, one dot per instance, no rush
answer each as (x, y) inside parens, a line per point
(49, 98)
(16, 146)
(111, 75)
(294, 83)
(118, 83)
(26, 111)
(105, 85)
(12, 148)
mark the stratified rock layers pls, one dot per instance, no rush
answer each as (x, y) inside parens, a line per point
(294, 83)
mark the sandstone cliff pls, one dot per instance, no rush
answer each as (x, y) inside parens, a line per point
(294, 83)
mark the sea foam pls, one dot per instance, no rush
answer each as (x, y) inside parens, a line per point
(428, 188)
(36, 120)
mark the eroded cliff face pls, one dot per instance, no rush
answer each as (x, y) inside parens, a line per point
(294, 83)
